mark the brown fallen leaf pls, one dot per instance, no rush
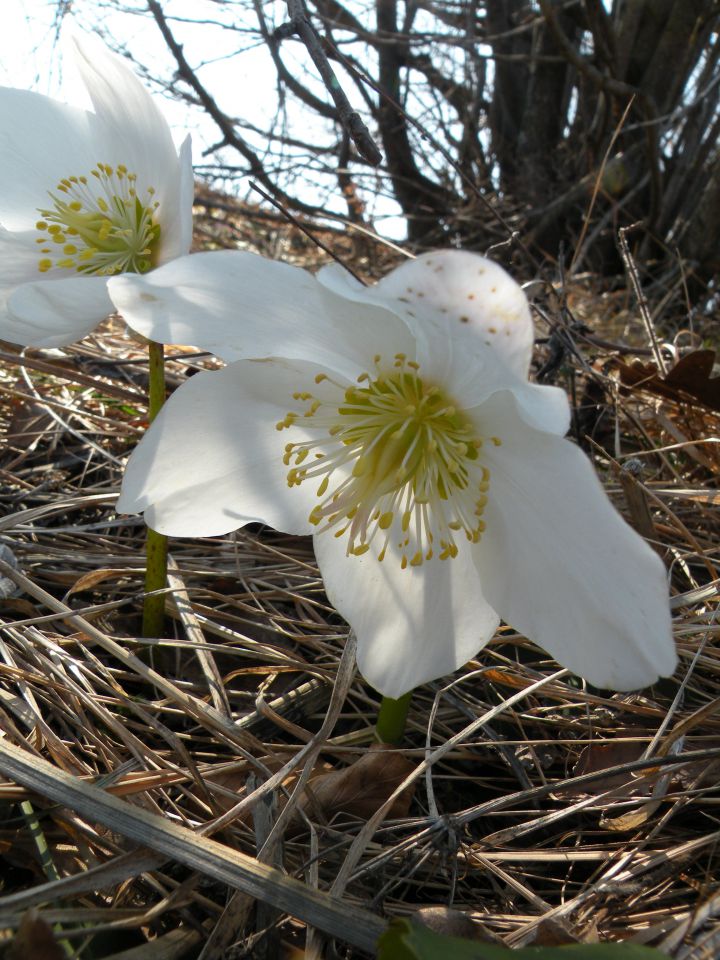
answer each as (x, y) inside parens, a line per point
(89, 580)
(357, 790)
(604, 755)
(361, 789)
(34, 940)
(690, 377)
(453, 923)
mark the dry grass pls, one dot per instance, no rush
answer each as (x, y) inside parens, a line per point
(155, 800)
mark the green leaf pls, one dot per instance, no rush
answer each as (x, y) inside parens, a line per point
(404, 940)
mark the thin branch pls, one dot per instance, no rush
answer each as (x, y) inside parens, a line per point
(299, 24)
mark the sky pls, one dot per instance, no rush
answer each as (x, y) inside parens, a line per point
(33, 52)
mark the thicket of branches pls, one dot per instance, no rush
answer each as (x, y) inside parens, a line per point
(562, 120)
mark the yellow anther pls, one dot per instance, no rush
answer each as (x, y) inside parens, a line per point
(44, 266)
(391, 447)
(119, 234)
(70, 249)
(316, 516)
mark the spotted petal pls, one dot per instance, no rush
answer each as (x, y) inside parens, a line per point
(559, 564)
(457, 290)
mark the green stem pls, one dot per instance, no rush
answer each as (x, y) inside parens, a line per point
(156, 543)
(390, 725)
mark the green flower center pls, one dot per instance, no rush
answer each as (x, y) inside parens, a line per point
(396, 461)
(99, 225)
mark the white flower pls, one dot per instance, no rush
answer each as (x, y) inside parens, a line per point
(397, 425)
(84, 195)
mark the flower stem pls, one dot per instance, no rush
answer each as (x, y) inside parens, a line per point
(391, 718)
(155, 543)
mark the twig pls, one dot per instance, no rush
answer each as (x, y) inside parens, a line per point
(295, 222)
(642, 302)
(300, 25)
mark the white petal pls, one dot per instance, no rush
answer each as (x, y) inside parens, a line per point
(176, 217)
(41, 141)
(132, 126)
(412, 625)
(459, 290)
(487, 313)
(240, 305)
(53, 313)
(471, 371)
(473, 363)
(560, 565)
(213, 459)
(19, 258)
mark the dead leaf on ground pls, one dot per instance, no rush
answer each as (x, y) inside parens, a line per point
(362, 788)
(604, 755)
(691, 375)
(357, 790)
(89, 580)
(34, 940)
